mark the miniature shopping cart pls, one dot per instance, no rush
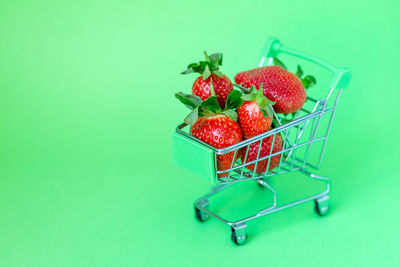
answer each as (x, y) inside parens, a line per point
(304, 140)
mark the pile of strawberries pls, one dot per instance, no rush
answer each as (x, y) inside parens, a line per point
(222, 116)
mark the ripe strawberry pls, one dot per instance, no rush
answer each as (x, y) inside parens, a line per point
(219, 131)
(265, 151)
(255, 114)
(210, 74)
(222, 87)
(213, 125)
(280, 85)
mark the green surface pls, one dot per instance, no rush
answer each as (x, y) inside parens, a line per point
(87, 114)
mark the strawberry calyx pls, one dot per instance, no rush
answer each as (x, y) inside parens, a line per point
(210, 106)
(206, 68)
(212, 89)
(263, 102)
(279, 63)
(189, 100)
(308, 81)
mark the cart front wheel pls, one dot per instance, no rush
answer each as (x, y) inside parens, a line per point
(200, 215)
(238, 238)
(259, 184)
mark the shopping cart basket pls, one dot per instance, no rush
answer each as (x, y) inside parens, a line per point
(304, 140)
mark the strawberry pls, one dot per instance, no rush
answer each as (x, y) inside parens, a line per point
(280, 85)
(265, 151)
(220, 131)
(255, 114)
(214, 126)
(222, 86)
(210, 74)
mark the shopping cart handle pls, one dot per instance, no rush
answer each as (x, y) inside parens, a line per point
(341, 76)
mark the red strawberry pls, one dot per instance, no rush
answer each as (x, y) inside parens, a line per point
(255, 115)
(265, 151)
(210, 74)
(279, 85)
(219, 131)
(213, 125)
(222, 87)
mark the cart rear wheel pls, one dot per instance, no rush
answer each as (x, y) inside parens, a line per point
(200, 215)
(322, 205)
(238, 239)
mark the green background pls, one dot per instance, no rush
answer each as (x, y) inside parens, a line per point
(87, 114)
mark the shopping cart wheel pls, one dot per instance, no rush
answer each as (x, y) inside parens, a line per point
(322, 205)
(239, 235)
(259, 184)
(200, 215)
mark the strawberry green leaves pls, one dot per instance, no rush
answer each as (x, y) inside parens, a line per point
(299, 72)
(206, 72)
(210, 106)
(279, 63)
(307, 81)
(192, 117)
(264, 103)
(207, 67)
(216, 59)
(231, 114)
(195, 67)
(189, 100)
(234, 100)
(212, 89)
(266, 108)
(192, 102)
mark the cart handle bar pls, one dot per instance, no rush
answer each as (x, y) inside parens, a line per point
(341, 76)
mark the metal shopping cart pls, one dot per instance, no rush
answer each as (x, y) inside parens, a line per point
(304, 140)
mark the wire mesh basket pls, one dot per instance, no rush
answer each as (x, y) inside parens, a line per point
(303, 138)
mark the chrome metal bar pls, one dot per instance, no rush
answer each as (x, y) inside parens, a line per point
(257, 158)
(329, 128)
(305, 110)
(307, 57)
(270, 152)
(270, 61)
(232, 163)
(316, 107)
(214, 190)
(311, 99)
(242, 88)
(245, 159)
(274, 194)
(271, 155)
(253, 139)
(295, 144)
(283, 148)
(313, 130)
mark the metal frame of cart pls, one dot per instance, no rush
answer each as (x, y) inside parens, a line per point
(304, 141)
